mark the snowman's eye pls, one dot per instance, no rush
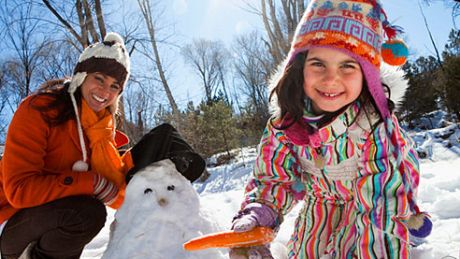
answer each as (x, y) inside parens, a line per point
(147, 190)
(171, 188)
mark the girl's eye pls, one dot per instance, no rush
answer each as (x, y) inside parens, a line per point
(349, 68)
(317, 64)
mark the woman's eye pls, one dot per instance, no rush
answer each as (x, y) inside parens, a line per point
(99, 79)
(115, 87)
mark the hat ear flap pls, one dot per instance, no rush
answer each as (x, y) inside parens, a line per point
(77, 81)
(114, 107)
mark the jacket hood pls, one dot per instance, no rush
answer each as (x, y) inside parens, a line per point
(392, 76)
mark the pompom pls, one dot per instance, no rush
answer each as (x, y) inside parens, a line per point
(420, 225)
(114, 37)
(395, 52)
(80, 166)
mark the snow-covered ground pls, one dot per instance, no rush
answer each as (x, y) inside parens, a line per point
(439, 194)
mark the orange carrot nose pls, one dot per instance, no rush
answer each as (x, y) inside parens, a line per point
(228, 239)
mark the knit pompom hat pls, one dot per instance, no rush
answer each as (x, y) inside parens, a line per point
(109, 57)
(358, 28)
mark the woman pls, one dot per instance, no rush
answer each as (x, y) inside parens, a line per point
(61, 164)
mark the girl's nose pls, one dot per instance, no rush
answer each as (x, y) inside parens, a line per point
(330, 75)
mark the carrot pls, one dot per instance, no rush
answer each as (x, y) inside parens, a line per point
(228, 239)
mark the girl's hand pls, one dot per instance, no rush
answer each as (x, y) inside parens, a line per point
(253, 215)
(255, 252)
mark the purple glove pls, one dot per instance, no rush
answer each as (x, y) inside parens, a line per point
(253, 215)
(255, 252)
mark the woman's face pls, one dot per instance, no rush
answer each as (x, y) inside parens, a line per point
(100, 91)
(332, 79)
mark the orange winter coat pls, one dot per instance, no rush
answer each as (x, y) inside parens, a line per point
(37, 162)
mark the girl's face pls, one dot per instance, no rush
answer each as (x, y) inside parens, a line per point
(100, 91)
(332, 79)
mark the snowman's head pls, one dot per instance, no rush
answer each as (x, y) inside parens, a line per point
(160, 191)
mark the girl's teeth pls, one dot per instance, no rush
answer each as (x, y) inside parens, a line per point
(98, 99)
(330, 95)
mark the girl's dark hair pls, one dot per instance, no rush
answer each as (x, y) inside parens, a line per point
(291, 96)
(289, 91)
(58, 108)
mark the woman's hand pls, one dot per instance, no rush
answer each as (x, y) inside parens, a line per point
(104, 190)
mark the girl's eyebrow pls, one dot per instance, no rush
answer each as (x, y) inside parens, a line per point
(314, 59)
(341, 62)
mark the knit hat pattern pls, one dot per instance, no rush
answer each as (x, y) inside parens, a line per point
(109, 57)
(355, 27)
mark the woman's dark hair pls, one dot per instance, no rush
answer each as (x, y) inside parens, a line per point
(291, 96)
(58, 108)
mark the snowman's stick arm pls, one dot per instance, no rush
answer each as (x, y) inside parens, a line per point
(228, 239)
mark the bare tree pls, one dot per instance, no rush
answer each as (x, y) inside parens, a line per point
(150, 21)
(85, 13)
(280, 18)
(252, 68)
(28, 47)
(208, 59)
(453, 4)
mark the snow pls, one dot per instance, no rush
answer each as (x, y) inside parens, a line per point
(439, 194)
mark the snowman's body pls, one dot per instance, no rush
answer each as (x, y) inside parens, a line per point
(161, 211)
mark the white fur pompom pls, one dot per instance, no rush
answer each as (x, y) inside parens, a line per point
(114, 37)
(80, 166)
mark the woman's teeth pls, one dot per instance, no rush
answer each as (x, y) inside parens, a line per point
(99, 99)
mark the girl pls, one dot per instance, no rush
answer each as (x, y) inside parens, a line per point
(61, 164)
(334, 144)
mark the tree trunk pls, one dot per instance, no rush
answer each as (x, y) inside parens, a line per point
(100, 18)
(147, 13)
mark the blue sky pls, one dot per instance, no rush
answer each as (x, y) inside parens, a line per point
(223, 19)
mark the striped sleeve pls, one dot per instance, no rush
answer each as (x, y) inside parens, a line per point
(383, 194)
(275, 175)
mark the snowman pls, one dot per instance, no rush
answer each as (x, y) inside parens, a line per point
(161, 211)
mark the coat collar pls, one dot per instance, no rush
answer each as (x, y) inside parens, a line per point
(351, 121)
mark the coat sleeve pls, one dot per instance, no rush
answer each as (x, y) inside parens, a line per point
(24, 181)
(383, 195)
(276, 174)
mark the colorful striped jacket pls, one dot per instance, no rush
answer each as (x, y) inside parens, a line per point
(355, 202)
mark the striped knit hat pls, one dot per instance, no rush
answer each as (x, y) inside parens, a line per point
(357, 28)
(109, 57)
